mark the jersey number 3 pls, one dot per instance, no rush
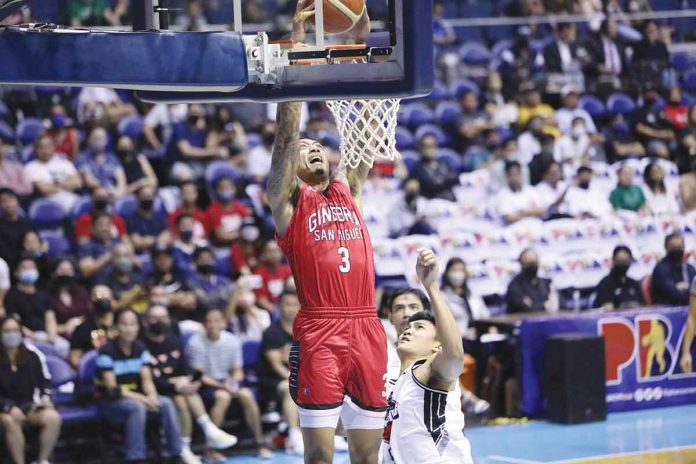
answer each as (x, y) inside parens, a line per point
(345, 259)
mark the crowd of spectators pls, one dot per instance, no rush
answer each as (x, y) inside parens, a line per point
(164, 260)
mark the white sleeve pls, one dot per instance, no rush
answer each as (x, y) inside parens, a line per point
(4, 275)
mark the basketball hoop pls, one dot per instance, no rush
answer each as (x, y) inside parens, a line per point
(367, 129)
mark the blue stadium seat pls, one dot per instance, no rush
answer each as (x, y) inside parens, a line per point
(688, 99)
(410, 158)
(420, 114)
(593, 105)
(82, 206)
(404, 138)
(29, 130)
(223, 264)
(620, 103)
(500, 46)
(447, 112)
(186, 337)
(126, 205)
(451, 158)
(86, 371)
(253, 139)
(218, 169)
(4, 110)
(131, 126)
(460, 86)
(474, 54)
(58, 243)
(681, 61)
(431, 129)
(439, 92)
(403, 117)
(690, 81)
(46, 348)
(7, 133)
(330, 139)
(47, 213)
(251, 350)
(61, 374)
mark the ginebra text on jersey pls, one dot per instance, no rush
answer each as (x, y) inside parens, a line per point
(327, 214)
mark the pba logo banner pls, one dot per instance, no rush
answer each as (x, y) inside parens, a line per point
(642, 360)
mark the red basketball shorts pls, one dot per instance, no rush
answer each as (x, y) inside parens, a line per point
(338, 367)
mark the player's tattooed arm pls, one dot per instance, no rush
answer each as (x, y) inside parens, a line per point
(447, 364)
(282, 183)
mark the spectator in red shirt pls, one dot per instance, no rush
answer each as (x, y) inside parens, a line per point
(244, 254)
(274, 274)
(225, 215)
(65, 138)
(675, 110)
(189, 205)
(101, 203)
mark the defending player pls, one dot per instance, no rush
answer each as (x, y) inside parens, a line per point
(424, 422)
(338, 359)
(686, 361)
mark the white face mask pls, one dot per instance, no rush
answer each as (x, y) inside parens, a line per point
(578, 131)
(457, 278)
(250, 233)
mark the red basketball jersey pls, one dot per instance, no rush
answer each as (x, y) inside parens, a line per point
(329, 250)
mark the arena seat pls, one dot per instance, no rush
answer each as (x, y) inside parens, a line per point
(474, 54)
(218, 169)
(620, 103)
(131, 126)
(47, 213)
(420, 114)
(251, 350)
(451, 158)
(82, 206)
(29, 130)
(7, 133)
(410, 158)
(61, 375)
(253, 139)
(58, 243)
(4, 110)
(404, 138)
(439, 92)
(46, 348)
(593, 106)
(681, 61)
(431, 129)
(447, 112)
(460, 86)
(86, 371)
(690, 81)
(126, 205)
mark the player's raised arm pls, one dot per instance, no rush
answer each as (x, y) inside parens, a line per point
(686, 361)
(282, 180)
(447, 364)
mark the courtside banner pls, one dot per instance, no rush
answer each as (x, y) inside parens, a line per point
(642, 357)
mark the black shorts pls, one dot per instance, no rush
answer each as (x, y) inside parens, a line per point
(268, 389)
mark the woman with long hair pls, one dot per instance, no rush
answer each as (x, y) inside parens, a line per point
(128, 392)
(466, 306)
(658, 198)
(24, 390)
(69, 299)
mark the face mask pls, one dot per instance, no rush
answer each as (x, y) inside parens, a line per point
(101, 204)
(530, 270)
(250, 233)
(186, 235)
(621, 269)
(146, 205)
(676, 255)
(578, 131)
(12, 339)
(193, 119)
(457, 278)
(225, 195)
(246, 300)
(64, 280)
(268, 139)
(29, 276)
(58, 121)
(97, 147)
(124, 153)
(620, 127)
(123, 265)
(584, 185)
(158, 328)
(102, 305)
(409, 197)
(205, 269)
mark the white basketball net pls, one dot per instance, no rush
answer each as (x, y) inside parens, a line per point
(367, 129)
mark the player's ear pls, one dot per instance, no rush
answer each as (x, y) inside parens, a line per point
(437, 347)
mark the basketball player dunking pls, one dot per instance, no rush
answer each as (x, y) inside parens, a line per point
(424, 422)
(338, 359)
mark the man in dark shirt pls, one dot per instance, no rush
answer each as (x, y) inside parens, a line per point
(191, 142)
(273, 369)
(672, 275)
(617, 290)
(528, 292)
(33, 306)
(435, 178)
(13, 227)
(212, 290)
(177, 295)
(125, 279)
(653, 127)
(145, 227)
(620, 143)
(96, 254)
(174, 378)
(97, 329)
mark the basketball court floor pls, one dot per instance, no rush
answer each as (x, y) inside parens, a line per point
(654, 436)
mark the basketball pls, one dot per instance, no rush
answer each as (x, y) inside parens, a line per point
(341, 15)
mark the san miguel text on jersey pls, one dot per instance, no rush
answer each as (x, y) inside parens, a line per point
(334, 214)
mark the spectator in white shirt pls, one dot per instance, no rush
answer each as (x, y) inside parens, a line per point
(99, 104)
(509, 151)
(4, 282)
(158, 124)
(583, 201)
(530, 140)
(52, 175)
(575, 148)
(571, 110)
(406, 216)
(259, 163)
(659, 199)
(517, 200)
(552, 191)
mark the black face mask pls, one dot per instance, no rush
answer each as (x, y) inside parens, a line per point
(584, 185)
(124, 153)
(620, 269)
(102, 306)
(193, 120)
(146, 205)
(158, 328)
(530, 271)
(100, 205)
(410, 197)
(205, 269)
(676, 255)
(64, 280)
(268, 139)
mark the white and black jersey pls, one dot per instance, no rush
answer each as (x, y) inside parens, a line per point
(424, 425)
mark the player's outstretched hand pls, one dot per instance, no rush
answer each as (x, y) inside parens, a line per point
(427, 267)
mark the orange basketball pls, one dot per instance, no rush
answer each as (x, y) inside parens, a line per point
(341, 15)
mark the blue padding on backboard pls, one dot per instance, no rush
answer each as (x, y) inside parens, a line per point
(191, 61)
(408, 75)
